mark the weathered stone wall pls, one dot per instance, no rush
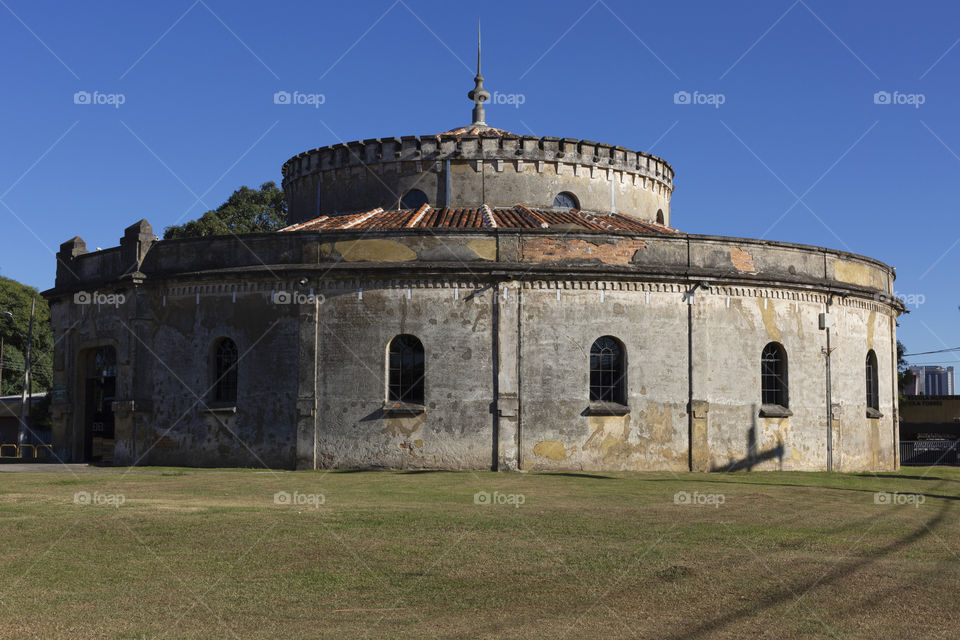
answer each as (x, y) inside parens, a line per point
(507, 320)
(164, 409)
(561, 320)
(456, 429)
(471, 170)
(730, 329)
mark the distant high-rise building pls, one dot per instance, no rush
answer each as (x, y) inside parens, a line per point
(931, 381)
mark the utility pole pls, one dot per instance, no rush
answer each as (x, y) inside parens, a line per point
(22, 438)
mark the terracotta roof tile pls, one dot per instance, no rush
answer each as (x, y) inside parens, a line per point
(483, 217)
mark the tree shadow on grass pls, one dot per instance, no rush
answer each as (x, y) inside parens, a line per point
(787, 593)
(806, 486)
(571, 474)
(867, 474)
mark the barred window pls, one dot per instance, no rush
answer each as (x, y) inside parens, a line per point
(566, 200)
(225, 371)
(873, 391)
(773, 375)
(405, 370)
(608, 371)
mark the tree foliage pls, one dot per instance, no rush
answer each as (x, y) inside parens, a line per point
(15, 298)
(245, 211)
(904, 375)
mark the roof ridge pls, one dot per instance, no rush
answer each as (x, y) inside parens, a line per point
(298, 225)
(363, 217)
(487, 214)
(418, 215)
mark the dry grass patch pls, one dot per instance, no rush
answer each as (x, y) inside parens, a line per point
(199, 554)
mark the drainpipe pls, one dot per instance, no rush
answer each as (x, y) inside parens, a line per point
(519, 376)
(690, 381)
(829, 396)
(446, 194)
(613, 202)
(895, 390)
(689, 364)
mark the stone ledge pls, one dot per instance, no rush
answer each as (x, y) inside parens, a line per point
(774, 411)
(607, 409)
(392, 409)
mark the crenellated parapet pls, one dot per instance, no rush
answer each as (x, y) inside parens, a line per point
(468, 169)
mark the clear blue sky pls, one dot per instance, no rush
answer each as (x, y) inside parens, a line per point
(798, 150)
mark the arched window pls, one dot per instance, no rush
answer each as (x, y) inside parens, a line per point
(608, 371)
(405, 374)
(225, 371)
(565, 200)
(660, 218)
(413, 199)
(873, 391)
(773, 375)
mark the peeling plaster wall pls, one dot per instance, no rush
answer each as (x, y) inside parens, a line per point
(507, 375)
(557, 333)
(455, 327)
(728, 341)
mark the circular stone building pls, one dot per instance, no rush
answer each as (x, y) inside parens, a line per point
(475, 299)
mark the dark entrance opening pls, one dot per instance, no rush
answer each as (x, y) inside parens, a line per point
(100, 386)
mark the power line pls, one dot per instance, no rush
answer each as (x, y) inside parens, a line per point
(923, 353)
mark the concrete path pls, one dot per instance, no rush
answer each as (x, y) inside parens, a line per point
(46, 467)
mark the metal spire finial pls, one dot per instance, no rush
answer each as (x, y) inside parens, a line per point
(479, 40)
(479, 95)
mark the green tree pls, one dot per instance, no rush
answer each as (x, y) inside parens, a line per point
(904, 376)
(245, 211)
(15, 298)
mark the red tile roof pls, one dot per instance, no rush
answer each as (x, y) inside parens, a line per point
(482, 217)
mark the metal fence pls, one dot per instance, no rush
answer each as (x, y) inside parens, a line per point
(928, 452)
(32, 452)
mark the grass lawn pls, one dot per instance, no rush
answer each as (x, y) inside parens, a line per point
(210, 554)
